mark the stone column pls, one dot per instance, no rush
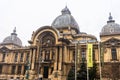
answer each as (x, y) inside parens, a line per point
(43, 55)
(31, 71)
(38, 53)
(56, 58)
(22, 71)
(19, 56)
(50, 54)
(65, 55)
(33, 59)
(24, 57)
(60, 58)
(117, 50)
(71, 55)
(96, 54)
(68, 54)
(30, 58)
(16, 69)
(109, 55)
(10, 69)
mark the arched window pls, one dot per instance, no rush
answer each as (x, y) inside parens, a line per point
(47, 39)
(47, 43)
(113, 53)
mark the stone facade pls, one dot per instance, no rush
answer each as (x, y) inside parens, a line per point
(55, 49)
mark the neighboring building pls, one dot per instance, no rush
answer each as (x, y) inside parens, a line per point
(13, 58)
(110, 38)
(53, 49)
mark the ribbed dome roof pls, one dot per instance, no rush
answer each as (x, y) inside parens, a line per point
(110, 28)
(13, 39)
(65, 20)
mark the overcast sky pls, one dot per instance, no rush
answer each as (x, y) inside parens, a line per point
(28, 15)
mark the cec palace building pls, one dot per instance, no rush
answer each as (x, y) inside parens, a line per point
(55, 49)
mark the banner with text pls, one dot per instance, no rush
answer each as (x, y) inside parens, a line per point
(89, 55)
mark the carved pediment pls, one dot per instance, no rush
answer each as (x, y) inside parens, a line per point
(4, 49)
(112, 42)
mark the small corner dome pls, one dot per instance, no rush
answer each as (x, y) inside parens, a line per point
(110, 28)
(12, 39)
(65, 20)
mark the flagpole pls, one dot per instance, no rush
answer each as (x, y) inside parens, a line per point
(99, 60)
(87, 63)
(75, 61)
(89, 58)
(87, 73)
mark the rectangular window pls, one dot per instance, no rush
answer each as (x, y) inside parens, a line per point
(25, 68)
(27, 57)
(13, 69)
(53, 55)
(19, 69)
(114, 54)
(93, 55)
(16, 57)
(0, 69)
(21, 57)
(47, 55)
(3, 57)
(83, 54)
